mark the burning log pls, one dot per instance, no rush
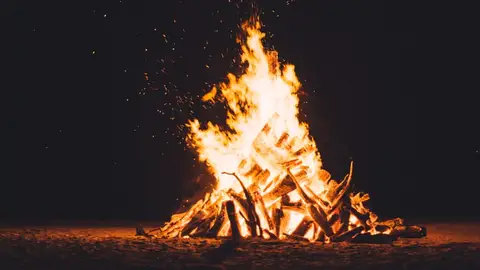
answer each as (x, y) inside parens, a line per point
(244, 217)
(344, 218)
(291, 163)
(300, 190)
(322, 203)
(321, 236)
(283, 138)
(295, 237)
(302, 174)
(259, 200)
(291, 143)
(172, 229)
(232, 217)
(192, 225)
(284, 187)
(139, 231)
(392, 223)
(316, 233)
(204, 227)
(241, 165)
(348, 235)
(410, 231)
(302, 228)
(241, 201)
(254, 171)
(262, 177)
(330, 187)
(382, 228)
(285, 200)
(333, 219)
(270, 234)
(196, 221)
(270, 183)
(218, 223)
(303, 150)
(271, 122)
(318, 215)
(341, 189)
(324, 175)
(362, 218)
(253, 218)
(297, 209)
(258, 143)
(277, 217)
(293, 205)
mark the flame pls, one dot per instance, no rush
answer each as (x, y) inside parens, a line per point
(266, 144)
(210, 96)
(266, 92)
(265, 89)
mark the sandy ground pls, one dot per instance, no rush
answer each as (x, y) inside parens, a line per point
(448, 246)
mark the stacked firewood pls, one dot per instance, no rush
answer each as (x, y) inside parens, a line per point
(263, 207)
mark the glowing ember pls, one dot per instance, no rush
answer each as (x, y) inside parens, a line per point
(270, 181)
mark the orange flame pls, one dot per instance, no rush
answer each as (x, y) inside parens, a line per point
(273, 152)
(265, 89)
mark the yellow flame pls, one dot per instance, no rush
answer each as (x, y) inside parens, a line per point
(262, 141)
(265, 89)
(210, 96)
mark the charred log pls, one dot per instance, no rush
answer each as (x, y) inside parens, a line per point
(239, 199)
(295, 237)
(320, 218)
(382, 228)
(362, 218)
(270, 234)
(374, 239)
(252, 216)
(317, 213)
(232, 217)
(204, 227)
(341, 189)
(277, 217)
(302, 228)
(410, 231)
(348, 235)
(218, 223)
(263, 208)
(344, 218)
(300, 190)
(333, 219)
(283, 188)
(321, 236)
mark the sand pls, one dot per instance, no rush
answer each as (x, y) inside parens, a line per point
(447, 246)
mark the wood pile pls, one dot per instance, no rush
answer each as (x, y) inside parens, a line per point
(263, 206)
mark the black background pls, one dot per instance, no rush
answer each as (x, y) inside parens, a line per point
(87, 137)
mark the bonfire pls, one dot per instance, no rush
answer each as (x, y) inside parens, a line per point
(270, 179)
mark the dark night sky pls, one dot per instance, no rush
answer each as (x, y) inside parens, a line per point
(89, 138)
